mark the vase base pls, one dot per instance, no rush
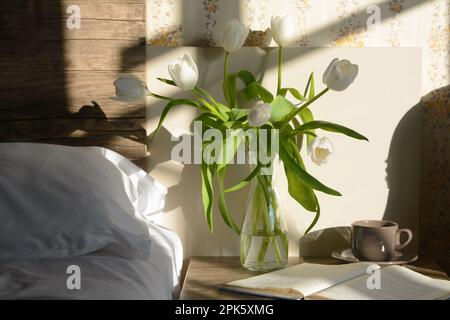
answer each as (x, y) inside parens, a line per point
(267, 266)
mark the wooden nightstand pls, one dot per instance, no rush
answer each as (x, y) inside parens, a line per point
(204, 274)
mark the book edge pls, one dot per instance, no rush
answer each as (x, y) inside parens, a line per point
(268, 292)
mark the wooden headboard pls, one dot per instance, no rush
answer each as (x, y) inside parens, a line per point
(56, 83)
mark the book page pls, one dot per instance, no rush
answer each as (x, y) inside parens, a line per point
(306, 278)
(396, 283)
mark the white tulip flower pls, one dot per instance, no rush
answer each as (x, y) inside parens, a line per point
(129, 87)
(184, 72)
(283, 30)
(259, 114)
(340, 74)
(320, 150)
(234, 36)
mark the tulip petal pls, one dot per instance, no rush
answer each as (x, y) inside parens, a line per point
(234, 35)
(339, 74)
(129, 87)
(184, 72)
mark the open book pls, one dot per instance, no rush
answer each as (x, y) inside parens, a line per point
(349, 281)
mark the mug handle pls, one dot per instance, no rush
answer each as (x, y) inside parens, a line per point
(398, 235)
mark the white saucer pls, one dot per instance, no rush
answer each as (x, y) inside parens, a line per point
(400, 258)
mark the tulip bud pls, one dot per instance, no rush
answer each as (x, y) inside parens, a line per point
(129, 87)
(184, 72)
(340, 74)
(234, 36)
(283, 30)
(259, 114)
(320, 150)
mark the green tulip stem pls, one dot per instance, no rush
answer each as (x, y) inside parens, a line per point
(226, 91)
(280, 65)
(207, 105)
(291, 115)
(151, 94)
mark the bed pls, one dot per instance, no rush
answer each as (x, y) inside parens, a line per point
(82, 223)
(56, 89)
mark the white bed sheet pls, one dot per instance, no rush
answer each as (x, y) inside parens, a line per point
(103, 276)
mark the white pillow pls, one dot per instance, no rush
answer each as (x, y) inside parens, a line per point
(58, 201)
(146, 194)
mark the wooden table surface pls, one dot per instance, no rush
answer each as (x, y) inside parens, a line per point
(205, 274)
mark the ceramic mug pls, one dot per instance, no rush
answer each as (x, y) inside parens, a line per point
(377, 240)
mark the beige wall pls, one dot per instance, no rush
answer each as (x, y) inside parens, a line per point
(377, 179)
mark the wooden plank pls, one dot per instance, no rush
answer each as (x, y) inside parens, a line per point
(133, 151)
(124, 135)
(55, 29)
(89, 55)
(39, 129)
(89, 9)
(99, 10)
(57, 84)
(64, 94)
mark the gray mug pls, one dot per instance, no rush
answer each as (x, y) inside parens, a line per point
(377, 240)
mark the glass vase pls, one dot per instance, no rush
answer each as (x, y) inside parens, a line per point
(264, 241)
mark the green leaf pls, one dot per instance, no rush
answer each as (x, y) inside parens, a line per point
(281, 107)
(166, 110)
(310, 87)
(263, 93)
(230, 146)
(167, 81)
(245, 181)
(229, 84)
(229, 124)
(316, 218)
(310, 134)
(222, 204)
(307, 116)
(256, 91)
(236, 113)
(212, 106)
(298, 190)
(294, 92)
(207, 194)
(209, 121)
(246, 76)
(299, 138)
(304, 176)
(329, 126)
(221, 107)
(302, 107)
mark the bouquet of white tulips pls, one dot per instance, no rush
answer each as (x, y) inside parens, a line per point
(292, 117)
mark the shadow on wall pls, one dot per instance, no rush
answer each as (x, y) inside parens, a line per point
(183, 199)
(48, 72)
(403, 174)
(33, 83)
(403, 180)
(435, 193)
